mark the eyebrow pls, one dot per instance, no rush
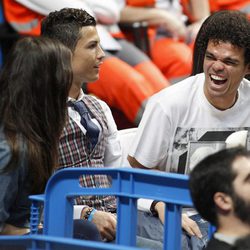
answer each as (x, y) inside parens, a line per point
(209, 53)
(236, 61)
(93, 41)
(247, 178)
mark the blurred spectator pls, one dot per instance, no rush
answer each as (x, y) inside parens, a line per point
(242, 5)
(220, 189)
(127, 78)
(172, 39)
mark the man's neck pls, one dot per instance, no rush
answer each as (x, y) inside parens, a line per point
(233, 227)
(222, 103)
(74, 91)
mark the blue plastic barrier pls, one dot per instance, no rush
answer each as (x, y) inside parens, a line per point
(43, 242)
(127, 185)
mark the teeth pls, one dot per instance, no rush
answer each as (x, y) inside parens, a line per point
(218, 78)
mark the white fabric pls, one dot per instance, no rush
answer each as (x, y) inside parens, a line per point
(105, 11)
(144, 204)
(229, 239)
(44, 7)
(106, 39)
(105, 29)
(179, 126)
(126, 137)
(112, 156)
(236, 139)
(173, 6)
(77, 211)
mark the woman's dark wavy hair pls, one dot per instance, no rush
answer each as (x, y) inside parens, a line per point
(34, 86)
(226, 26)
(214, 174)
(65, 25)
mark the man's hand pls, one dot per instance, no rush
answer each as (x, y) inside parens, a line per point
(188, 224)
(106, 224)
(160, 208)
(173, 25)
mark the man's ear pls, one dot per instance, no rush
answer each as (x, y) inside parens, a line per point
(223, 201)
(248, 69)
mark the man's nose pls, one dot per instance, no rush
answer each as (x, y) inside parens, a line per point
(101, 53)
(218, 66)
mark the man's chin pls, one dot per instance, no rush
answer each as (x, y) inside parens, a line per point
(93, 79)
(242, 209)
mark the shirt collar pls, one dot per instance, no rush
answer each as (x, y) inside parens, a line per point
(228, 239)
(80, 97)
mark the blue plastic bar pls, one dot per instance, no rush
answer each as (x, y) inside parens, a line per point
(128, 185)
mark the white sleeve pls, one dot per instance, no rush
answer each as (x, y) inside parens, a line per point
(44, 7)
(121, 4)
(107, 41)
(77, 211)
(144, 204)
(151, 142)
(106, 11)
(113, 153)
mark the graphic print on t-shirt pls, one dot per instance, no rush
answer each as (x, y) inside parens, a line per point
(191, 145)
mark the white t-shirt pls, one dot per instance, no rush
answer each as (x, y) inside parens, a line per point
(180, 127)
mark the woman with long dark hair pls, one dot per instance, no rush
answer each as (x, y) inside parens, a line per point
(34, 86)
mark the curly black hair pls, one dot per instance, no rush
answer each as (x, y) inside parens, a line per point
(226, 26)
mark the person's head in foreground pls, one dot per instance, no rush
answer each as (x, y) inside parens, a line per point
(220, 187)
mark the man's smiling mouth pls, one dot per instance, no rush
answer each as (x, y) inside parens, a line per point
(218, 80)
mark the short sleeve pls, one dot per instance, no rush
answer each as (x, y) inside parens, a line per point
(151, 142)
